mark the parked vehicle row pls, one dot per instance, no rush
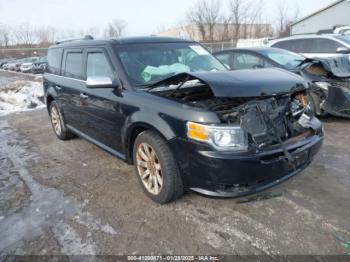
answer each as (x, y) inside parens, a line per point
(33, 65)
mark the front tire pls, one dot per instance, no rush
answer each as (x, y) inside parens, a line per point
(156, 168)
(57, 122)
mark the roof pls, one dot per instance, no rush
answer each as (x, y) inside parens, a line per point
(254, 49)
(303, 36)
(319, 11)
(122, 41)
(251, 49)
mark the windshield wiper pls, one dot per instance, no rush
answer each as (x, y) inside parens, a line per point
(142, 85)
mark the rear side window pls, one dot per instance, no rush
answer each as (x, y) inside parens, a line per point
(324, 45)
(54, 57)
(297, 45)
(224, 58)
(247, 61)
(74, 65)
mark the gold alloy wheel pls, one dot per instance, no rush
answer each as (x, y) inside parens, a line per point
(56, 120)
(149, 168)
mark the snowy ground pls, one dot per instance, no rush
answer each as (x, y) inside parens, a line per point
(20, 93)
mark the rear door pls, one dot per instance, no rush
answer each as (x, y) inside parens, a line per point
(102, 106)
(72, 85)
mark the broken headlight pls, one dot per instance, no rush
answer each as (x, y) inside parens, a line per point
(230, 138)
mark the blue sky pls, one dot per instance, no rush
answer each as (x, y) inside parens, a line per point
(143, 17)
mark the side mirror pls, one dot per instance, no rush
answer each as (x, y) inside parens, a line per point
(100, 82)
(343, 50)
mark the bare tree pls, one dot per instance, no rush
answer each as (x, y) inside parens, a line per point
(254, 18)
(285, 18)
(224, 34)
(239, 15)
(4, 35)
(24, 34)
(46, 35)
(116, 28)
(93, 31)
(205, 15)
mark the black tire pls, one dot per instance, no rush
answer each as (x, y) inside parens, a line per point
(172, 187)
(61, 130)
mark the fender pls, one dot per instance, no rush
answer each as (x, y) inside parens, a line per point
(50, 92)
(138, 120)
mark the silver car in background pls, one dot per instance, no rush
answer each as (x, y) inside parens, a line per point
(315, 45)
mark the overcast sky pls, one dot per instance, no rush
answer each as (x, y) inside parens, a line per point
(142, 16)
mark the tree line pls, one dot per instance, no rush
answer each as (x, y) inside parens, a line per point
(233, 16)
(26, 35)
(237, 17)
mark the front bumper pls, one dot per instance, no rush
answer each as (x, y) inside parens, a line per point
(223, 174)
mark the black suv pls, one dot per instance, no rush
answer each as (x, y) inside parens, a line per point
(174, 111)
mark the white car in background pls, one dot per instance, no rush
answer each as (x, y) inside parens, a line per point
(27, 65)
(315, 45)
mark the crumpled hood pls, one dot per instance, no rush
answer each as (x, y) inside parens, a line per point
(338, 66)
(243, 83)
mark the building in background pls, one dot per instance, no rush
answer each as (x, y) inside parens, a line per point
(219, 32)
(337, 13)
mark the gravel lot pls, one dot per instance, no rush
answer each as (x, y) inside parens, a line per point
(73, 198)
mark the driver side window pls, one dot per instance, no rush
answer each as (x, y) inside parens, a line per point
(98, 65)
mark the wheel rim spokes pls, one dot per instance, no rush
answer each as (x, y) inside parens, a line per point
(56, 121)
(149, 168)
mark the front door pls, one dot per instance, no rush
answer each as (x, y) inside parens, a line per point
(102, 106)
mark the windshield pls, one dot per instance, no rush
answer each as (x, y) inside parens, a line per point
(288, 60)
(344, 38)
(149, 63)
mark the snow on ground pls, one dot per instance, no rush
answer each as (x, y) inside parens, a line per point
(21, 95)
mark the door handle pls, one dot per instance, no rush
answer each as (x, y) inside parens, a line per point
(83, 95)
(58, 87)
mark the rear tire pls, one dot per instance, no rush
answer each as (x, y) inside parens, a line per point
(57, 122)
(156, 168)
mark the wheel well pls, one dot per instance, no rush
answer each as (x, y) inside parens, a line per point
(49, 99)
(134, 133)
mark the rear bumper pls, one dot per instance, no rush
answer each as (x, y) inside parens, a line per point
(220, 174)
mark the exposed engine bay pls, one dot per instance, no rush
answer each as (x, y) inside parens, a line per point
(269, 120)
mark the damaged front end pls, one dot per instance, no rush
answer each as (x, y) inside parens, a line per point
(330, 89)
(271, 109)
